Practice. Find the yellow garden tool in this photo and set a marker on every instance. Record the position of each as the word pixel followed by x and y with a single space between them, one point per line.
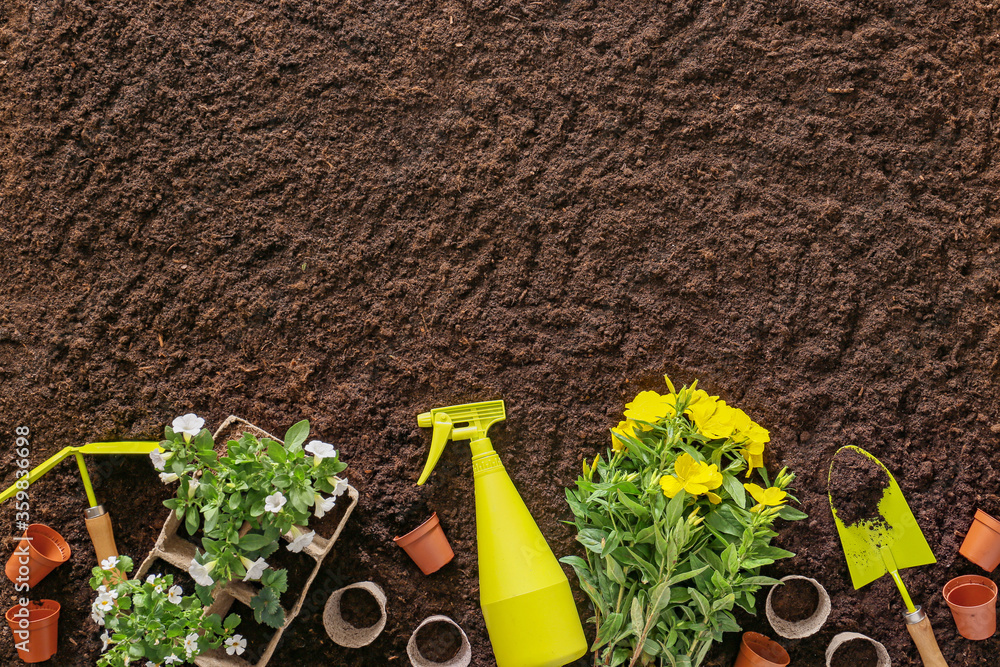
pixel 97 518
pixel 526 599
pixel 888 543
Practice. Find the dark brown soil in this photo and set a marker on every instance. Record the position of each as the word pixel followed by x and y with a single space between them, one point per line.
pixel 855 653
pixel 857 485
pixel 359 608
pixel 354 212
pixel 439 641
pixel 796 600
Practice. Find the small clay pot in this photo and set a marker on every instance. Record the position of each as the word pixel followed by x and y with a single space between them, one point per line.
pixel 807 626
pixel 344 633
pixel 756 650
pixel 427 545
pixel 39 552
pixel 982 543
pixel 36 629
pixel 973 603
pixel 844 637
pixel 461 659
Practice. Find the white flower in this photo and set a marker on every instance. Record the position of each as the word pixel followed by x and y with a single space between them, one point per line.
pixel 190 425
pixel 149 663
pixel 193 485
pixel 320 450
pixel 160 459
pixel 103 590
pixel 171 659
pixel 200 573
pixel 339 486
pixel 191 643
pixel 254 568
pixel 323 505
pixel 106 639
pixel 236 645
pixel 168 477
pixel 174 594
pixel 109 563
pixel 274 502
pixel 300 540
pixel 96 616
pixel 104 604
pixel 152 579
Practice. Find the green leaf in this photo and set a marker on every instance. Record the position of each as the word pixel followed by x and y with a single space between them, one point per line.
pixel 735 489
pixel 275 579
pixel 296 435
pixel 675 508
pixel 191 522
pixel 636 616
pixel 684 576
pixel 609 629
pixel 789 513
pixel 254 541
pixel 615 572
pixel 276 451
pixel 759 581
pixel 266 608
pixel 232 621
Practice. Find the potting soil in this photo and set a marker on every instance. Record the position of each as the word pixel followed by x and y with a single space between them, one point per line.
pixel 857 485
pixel 355 212
pixel 796 600
pixel 855 653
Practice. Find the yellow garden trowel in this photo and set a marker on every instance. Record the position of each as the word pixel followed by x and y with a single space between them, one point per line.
pixel 97 518
pixel 888 542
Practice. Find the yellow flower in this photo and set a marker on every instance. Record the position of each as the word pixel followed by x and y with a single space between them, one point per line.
pixel 625 428
pixel 753 454
pixel 713 418
pixel 695 477
pixel 770 497
pixel 649 406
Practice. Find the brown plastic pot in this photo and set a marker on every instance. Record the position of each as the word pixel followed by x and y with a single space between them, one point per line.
pixel 973 603
pixel 39 552
pixel 427 545
pixel 982 542
pixel 35 627
pixel 756 650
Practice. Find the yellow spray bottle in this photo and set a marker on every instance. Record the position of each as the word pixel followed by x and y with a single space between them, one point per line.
pixel 526 599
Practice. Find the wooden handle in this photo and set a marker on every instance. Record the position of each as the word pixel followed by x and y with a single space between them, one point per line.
pixel 923 637
pixel 102 535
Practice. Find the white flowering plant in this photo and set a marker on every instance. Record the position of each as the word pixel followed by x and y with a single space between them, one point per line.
pixel 245 500
pixel 153 620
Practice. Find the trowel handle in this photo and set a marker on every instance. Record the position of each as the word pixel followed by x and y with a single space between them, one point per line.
pixel 922 633
pixel 101 534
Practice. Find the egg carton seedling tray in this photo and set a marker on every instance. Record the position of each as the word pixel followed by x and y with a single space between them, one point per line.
pixel 177 550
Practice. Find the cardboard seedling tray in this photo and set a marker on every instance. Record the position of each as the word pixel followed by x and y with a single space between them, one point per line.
pixel 178 551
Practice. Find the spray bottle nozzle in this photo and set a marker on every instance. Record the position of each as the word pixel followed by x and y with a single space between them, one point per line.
pixel 470 421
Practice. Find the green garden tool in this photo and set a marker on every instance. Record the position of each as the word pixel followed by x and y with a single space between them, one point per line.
pixel 97 518
pixel 888 543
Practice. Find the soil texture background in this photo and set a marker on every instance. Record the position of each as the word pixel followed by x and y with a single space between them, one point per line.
pixel 354 212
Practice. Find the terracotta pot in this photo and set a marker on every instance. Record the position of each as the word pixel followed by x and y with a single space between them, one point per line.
pixel 427 545
pixel 756 650
pixel 36 629
pixel 34 557
pixel 973 603
pixel 982 542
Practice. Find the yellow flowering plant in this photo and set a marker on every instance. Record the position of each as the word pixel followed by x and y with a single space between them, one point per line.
pixel 673 538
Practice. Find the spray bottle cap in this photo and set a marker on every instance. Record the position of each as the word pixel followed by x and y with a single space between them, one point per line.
pixel 470 421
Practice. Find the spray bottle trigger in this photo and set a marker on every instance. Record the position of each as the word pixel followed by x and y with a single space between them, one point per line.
pixel 443 426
